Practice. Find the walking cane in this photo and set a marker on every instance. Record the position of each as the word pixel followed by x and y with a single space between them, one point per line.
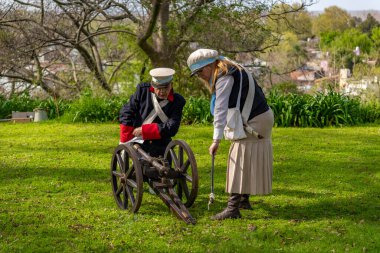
pixel 212 196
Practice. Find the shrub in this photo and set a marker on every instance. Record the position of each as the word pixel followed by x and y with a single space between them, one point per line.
pixel 93 109
pixel 21 103
pixel 331 109
pixel 55 108
pixel 196 110
pixel 319 110
pixel 24 103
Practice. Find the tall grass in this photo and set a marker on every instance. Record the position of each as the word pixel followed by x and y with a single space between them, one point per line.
pixel 94 109
pixel 319 110
pixel 24 103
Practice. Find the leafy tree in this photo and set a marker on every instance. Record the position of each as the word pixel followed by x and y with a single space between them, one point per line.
pixel 352 38
pixel 367 25
pixel 164 30
pixel 327 38
pixel 67 32
pixel 332 19
pixel 288 56
pixel 376 43
pixel 299 23
pixel 342 46
pixel 355 21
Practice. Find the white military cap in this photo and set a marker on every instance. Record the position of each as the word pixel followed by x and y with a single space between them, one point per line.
pixel 201 58
pixel 161 77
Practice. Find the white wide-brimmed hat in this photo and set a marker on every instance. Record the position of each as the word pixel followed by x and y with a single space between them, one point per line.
pixel 201 58
pixel 161 77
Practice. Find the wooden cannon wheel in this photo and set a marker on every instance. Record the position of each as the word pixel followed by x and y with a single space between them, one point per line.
pixel 182 159
pixel 126 178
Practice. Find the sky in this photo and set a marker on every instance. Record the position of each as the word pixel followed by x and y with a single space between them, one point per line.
pixel 348 5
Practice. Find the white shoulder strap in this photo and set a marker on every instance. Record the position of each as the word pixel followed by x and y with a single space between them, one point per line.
pixel 157 111
pixel 249 100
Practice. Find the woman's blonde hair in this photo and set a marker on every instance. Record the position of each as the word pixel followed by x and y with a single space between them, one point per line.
pixel 222 67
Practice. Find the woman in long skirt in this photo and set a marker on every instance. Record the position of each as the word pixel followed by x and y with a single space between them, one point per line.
pixel 250 160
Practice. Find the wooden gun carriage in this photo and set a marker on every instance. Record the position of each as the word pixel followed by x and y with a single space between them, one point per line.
pixel 174 177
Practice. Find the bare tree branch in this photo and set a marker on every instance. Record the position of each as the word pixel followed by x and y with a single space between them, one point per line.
pixel 118 67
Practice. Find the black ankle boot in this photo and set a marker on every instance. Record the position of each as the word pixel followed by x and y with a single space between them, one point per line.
pixel 232 210
pixel 244 202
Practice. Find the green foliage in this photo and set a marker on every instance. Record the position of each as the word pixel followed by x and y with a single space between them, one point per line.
pixel 332 19
pixel 289 54
pixel 299 22
pixel 21 103
pixel 24 103
pixel 285 88
pixel 352 38
pixel 320 110
pixel 375 36
pixel 370 23
pixel 55 194
pixel 327 38
pixel 94 109
pixel 197 110
pixel 54 107
pixel 370 111
pixel 342 45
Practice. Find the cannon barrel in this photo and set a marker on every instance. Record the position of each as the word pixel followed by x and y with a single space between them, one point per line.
pixel 163 170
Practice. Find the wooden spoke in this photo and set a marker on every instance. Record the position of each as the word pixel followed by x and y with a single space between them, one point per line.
pixel 184 161
pixel 188 179
pixel 120 162
pixel 185 188
pixel 179 188
pixel 180 155
pixel 117 174
pixel 127 191
pixel 130 195
pixel 125 202
pixel 119 190
pixel 185 166
pixel 129 171
pixel 131 183
pixel 174 158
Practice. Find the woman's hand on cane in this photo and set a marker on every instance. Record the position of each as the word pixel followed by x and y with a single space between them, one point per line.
pixel 214 147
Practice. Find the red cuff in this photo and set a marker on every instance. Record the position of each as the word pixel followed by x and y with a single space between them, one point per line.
pixel 151 132
pixel 126 133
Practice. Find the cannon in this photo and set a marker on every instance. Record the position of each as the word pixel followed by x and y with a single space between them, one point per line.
pixel 173 177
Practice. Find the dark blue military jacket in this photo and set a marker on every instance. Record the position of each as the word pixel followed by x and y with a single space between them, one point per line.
pixel 157 134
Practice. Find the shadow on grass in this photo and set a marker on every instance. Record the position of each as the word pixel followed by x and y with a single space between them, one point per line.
pixel 357 208
pixel 39 174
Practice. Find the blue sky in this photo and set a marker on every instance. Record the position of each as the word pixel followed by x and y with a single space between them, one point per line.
pixel 348 5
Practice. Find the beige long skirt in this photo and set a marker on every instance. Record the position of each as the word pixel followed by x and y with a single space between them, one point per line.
pixel 250 161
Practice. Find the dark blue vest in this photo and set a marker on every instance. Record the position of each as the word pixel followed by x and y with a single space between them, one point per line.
pixel 259 103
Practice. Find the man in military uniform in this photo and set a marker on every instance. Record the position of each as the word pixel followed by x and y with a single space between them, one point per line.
pixel 153 113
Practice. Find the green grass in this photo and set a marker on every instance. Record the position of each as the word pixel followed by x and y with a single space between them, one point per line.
pixel 55 195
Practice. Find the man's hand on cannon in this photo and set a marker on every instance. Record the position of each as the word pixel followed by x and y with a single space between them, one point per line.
pixel 137 131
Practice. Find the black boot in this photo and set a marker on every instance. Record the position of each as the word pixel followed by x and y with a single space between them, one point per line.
pixel 232 210
pixel 244 202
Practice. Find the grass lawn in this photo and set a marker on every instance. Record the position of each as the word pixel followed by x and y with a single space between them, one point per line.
pixel 55 194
